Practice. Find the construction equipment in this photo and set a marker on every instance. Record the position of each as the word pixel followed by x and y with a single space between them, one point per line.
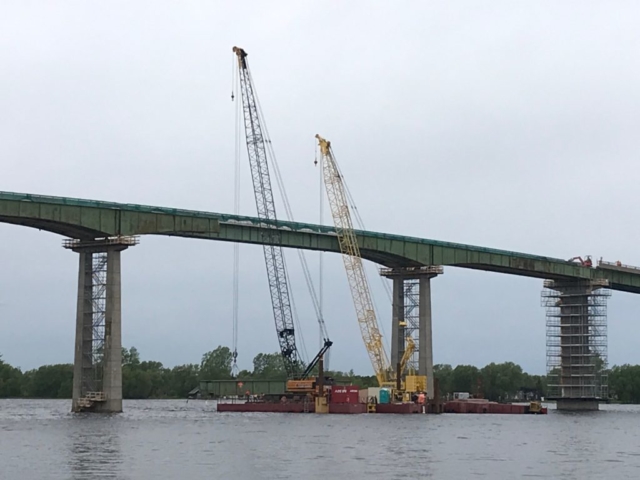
pixel 354 267
pixel 353 264
pixel 307 383
pixel 587 262
pixel 409 348
pixel 273 254
pixel 536 407
pixel 265 204
pixel 365 312
pixel 407 382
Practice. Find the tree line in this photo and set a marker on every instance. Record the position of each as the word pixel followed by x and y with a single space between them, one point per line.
pixel 150 379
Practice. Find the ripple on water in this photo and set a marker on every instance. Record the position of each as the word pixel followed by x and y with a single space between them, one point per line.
pixel 177 439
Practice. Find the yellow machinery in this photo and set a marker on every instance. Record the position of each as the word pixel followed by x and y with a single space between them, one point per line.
pixel 308 385
pixel 535 407
pixel 353 264
pixel 412 383
pixel 359 286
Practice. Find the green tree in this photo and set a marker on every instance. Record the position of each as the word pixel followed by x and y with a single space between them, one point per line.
pixel 624 383
pixel 444 373
pixel 501 381
pixel 269 366
pixel 464 378
pixel 216 364
pixel 182 379
pixel 49 381
pixel 131 356
pixel 10 380
pixel 136 383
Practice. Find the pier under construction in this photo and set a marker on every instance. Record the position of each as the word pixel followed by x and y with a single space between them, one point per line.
pixel 576 342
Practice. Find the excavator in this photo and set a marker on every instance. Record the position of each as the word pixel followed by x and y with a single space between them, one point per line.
pixel 585 263
pixel 388 376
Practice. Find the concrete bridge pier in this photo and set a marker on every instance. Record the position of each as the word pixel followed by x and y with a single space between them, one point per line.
pixel 398 324
pixel 425 354
pixel 97 371
pixel 411 316
pixel 576 342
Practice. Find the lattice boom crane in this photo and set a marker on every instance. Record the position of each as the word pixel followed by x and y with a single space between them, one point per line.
pixel 273 254
pixel 353 264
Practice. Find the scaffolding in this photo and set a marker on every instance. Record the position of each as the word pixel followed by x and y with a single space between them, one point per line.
pixel 412 319
pixel 576 326
pixel 98 309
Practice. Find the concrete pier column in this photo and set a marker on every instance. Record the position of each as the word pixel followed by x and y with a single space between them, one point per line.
pixel 397 322
pixel 112 367
pixel 97 373
pixel 425 354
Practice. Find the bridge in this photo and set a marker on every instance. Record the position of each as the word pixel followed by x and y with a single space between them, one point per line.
pixel 100 230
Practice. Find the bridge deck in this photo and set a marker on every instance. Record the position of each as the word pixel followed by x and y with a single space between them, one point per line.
pixel 87 219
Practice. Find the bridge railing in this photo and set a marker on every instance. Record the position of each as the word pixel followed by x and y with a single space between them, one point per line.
pixel 618 266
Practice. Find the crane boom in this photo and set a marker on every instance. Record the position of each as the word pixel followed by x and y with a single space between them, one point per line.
pixel 265 204
pixel 353 263
pixel 409 348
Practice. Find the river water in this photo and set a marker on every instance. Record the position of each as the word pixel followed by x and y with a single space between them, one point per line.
pixel 174 439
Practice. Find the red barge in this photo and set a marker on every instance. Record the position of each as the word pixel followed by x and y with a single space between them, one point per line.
pixel 336 408
pixel 457 406
pixel 349 403
pixel 480 405
pixel 342 400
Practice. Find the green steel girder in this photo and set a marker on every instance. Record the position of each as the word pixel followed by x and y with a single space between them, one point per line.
pixel 88 219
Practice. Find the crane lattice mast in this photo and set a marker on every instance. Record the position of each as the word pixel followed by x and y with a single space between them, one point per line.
pixel 353 264
pixel 265 204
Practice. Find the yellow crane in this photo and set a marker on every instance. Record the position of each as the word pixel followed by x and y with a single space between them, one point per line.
pixel 353 264
pixel 409 348
pixel 336 192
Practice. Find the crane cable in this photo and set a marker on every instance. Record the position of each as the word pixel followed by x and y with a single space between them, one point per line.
pixel 236 211
pixel 362 226
pixel 322 335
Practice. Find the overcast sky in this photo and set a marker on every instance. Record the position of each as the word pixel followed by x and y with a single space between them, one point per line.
pixel 507 124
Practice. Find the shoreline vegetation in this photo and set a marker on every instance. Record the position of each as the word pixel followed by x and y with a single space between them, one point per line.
pixel 151 380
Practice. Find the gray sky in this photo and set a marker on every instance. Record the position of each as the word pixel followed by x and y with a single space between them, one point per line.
pixel 504 124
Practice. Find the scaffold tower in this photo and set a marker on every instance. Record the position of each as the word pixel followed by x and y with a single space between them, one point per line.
pixel 98 304
pixel 412 319
pixel 576 313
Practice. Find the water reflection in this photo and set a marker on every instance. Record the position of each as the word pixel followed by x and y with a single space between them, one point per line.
pixel 95 449
pixel 159 440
